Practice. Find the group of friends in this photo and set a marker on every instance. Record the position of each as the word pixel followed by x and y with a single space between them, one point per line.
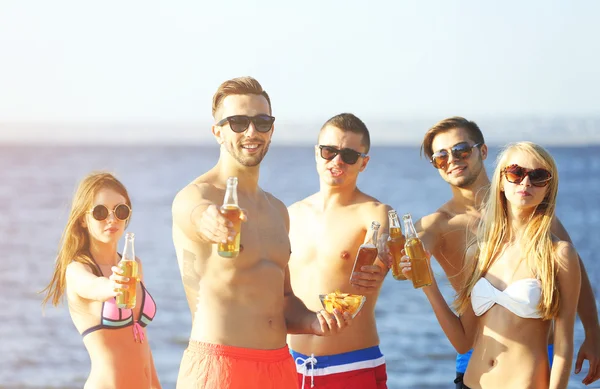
pixel 257 320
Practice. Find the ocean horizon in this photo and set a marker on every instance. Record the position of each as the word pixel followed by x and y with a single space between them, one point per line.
pixel 550 131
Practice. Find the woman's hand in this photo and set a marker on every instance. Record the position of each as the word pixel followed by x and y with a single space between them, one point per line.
pixel 117 282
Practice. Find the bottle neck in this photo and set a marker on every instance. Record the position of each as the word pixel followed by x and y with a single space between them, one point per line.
pixel 231 196
pixel 128 251
pixel 409 229
pixel 373 236
pixel 394 222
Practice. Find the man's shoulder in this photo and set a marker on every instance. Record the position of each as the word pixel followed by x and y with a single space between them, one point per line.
pixel 435 220
pixel 300 205
pixel 199 188
pixel 276 203
pixel 366 201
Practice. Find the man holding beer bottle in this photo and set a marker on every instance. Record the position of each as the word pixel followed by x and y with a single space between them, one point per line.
pixel 327 230
pixel 236 279
pixel 456 148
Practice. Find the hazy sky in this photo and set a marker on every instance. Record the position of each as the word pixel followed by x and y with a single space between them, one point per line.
pixel 160 62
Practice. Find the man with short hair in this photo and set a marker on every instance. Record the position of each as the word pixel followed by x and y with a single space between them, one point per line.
pixel 242 307
pixel 326 230
pixel 457 149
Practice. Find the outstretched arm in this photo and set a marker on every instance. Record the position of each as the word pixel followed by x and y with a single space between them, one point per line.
pixel 84 283
pixel 460 330
pixel 301 320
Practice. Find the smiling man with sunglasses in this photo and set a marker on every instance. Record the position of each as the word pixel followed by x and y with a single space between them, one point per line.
pixel 242 307
pixel 456 148
pixel 326 230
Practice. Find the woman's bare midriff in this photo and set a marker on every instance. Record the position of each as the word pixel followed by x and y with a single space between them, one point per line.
pixel 509 352
pixel 117 361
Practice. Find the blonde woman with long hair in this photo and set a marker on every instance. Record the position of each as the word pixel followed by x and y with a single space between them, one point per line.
pixel 519 279
pixel 86 272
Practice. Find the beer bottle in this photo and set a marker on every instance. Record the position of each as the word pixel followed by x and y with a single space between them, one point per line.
pixel 421 273
pixel 130 270
pixel 231 210
pixel 395 244
pixel 367 252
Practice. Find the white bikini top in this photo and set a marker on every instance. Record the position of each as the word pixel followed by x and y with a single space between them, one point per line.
pixel 521 297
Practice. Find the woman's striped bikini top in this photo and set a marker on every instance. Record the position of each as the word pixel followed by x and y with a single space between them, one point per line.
pixel 113 317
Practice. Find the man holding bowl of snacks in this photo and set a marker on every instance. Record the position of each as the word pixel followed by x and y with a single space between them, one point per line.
pixel 326 231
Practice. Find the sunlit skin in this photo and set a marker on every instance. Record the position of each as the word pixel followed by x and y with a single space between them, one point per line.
pixel 252 288
pixel 326 230
pixel 457 172
pixel 523 196
pixel 508 348
pixel 250 147
pixel 117 359
pixel 447 231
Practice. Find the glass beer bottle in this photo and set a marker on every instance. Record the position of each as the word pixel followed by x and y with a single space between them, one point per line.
pixel 367 252
pixel 130 270
pixel 231 210
pixel 421 273
pixel 395 244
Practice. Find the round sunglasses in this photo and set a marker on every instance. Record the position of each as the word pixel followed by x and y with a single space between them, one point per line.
pixel 515 174
pixel 462 150
pixel 349 156
pixel 240 123
pixel 101 212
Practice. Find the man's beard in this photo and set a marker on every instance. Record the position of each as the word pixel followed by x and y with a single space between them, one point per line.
pixel 466 182
pixel 247 160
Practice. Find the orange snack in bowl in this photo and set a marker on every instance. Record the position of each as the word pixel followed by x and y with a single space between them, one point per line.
pixel 344 302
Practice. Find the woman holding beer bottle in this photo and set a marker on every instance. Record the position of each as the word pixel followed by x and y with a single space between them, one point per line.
pixel 518 278
pixel 87 272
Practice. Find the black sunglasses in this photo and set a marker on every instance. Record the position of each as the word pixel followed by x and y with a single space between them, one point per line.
pixel 121 211
pixel 460 150
pixel 515 174
pixel 349 156
pixel 240 123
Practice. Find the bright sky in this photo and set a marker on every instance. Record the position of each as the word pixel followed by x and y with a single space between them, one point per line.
pixel 160 62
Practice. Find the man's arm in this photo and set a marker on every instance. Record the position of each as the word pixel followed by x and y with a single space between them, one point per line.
pixel 301 320
pixel 588 314
pixel 198 216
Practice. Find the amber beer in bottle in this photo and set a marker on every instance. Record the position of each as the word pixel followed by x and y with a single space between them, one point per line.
pixel 231 210
pixel 395 244
pixel 130 270
pixel 421 274
pixel 367 252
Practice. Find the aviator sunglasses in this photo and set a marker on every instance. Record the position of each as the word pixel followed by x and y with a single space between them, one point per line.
pixel 461 151
pixel 240 123
pixel 349 156
pixel 121 212
pixel 515 174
